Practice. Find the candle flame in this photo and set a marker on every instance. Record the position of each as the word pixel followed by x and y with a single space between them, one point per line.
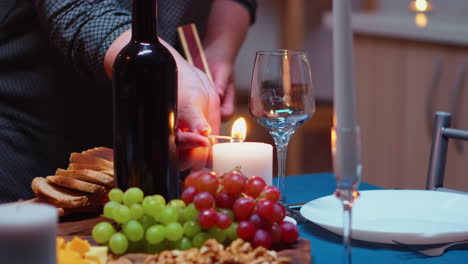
pixel 239 129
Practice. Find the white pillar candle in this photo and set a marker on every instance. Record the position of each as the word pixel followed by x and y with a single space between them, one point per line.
pixel 253 158
pixel 27 233
pixel 343 66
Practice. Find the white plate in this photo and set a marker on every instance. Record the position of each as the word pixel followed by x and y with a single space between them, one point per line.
pixel 406 216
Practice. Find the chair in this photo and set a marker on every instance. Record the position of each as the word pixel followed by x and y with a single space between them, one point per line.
pixel 442 133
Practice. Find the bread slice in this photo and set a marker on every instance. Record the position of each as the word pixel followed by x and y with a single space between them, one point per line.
pixel 100 152
pixel 82 166
pixel 89 159
pixel 87 175
pixel 58 196
pixel 75 184
pixel 108 172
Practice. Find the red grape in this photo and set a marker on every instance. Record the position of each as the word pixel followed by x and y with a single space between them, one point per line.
pixel 224 200
pixel 275 233
pixel 255 186
pixel 289 232
pixel 207 181
pixel 256 220
pixel 262 238
pixel 223 221
pixel 246 230
pixel 203 200
pixel 207 218
pixel 271 193
pixel 192 179
pixel 188 194
pixel 265 209
pixel 234 183
pixel 279 212
pixel 243 208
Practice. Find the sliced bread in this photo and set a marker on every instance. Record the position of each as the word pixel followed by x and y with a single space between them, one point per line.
pixel 100 152
pixel 89 159
pixel 88 175
pixel 75 184
pixel 94 167
pixel 56 195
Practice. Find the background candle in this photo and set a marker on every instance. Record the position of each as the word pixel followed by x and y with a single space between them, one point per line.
pixel 253 158
pixel 27 233
pixel 344 94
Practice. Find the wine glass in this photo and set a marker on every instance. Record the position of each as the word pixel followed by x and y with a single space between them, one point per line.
pixel 346 150
pixel 281 99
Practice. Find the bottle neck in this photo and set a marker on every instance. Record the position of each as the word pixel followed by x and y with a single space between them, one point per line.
pixel 145 21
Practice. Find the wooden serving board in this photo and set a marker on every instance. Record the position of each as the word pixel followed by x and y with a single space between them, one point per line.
pixel 299 252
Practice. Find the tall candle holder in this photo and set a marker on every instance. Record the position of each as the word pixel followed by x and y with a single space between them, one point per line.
pixel 346 150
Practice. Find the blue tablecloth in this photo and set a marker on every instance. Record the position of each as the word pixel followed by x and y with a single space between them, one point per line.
pixel 327 247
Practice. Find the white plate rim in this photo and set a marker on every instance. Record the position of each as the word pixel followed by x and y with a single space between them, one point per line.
pixel 415 238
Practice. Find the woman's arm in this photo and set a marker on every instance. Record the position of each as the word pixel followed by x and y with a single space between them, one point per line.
pixel 227 27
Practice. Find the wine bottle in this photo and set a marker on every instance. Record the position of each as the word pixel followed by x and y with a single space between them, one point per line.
pixel 145 107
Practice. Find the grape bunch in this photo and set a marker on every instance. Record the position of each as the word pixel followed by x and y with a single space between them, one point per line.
pixel 148 224
pixel 223 208
pixel 233 202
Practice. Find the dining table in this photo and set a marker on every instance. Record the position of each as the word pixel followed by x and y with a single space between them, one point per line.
pixel 326 246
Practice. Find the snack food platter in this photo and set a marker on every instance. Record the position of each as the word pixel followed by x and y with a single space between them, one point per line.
pixel 299 252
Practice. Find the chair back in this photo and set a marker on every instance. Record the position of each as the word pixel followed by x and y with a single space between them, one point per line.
pixel 441 135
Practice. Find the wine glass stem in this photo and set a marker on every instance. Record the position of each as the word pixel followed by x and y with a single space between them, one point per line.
pixel 347 206
pixel 281 153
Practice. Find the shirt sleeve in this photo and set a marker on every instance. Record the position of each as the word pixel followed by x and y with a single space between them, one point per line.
pixel 251 6
pixel 83 30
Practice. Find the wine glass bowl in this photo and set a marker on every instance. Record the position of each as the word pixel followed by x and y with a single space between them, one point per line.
pixel 281 98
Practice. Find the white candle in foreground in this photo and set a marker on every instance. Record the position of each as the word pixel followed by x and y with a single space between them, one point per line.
pixel 343 66
pixel 27 233
pixel 253 158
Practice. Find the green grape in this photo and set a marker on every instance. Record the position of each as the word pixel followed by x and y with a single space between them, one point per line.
pixel 156 248
pixel 146 221
pixel 151 206
pixel 168 215
pixel 133 230
pixel 102 232
pixel 155 234
pixel 160 199
pixel 191 228
pixel 191 213
pixel 122 214
pixel 226 212
pixel 132 196
pixel 231 231
pixel 217 234
pixel 199 239
pixel 184 243
pixel 118 243
pixel 115 195
pixel 177 203
pixel 174 231
pixel 137 211
pixel 109 209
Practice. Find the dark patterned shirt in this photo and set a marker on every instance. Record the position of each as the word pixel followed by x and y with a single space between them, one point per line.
pixel 47 110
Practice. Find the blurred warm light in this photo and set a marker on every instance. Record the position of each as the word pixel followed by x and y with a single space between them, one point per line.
pixel 239 129
pixel 333 141
pixel 421 20
pixel 420 6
